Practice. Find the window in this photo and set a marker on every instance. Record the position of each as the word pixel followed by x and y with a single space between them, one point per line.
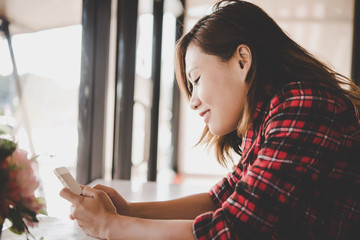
pixel 44 119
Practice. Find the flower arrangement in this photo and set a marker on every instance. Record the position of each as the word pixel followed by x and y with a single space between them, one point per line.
pixel 18 182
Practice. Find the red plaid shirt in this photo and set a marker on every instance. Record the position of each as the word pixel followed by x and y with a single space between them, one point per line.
pixel 299 177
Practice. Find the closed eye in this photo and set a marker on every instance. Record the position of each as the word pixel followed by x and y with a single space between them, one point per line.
pixel 196 80
pixel 189 87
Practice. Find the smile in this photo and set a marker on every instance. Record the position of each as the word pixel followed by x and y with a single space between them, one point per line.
pixel 205 115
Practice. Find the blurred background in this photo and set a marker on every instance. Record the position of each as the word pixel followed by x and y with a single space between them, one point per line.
pixel 89 84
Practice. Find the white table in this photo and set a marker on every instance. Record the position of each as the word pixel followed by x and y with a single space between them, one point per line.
pixel 55 228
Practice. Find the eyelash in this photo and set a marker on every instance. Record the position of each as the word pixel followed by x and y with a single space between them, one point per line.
pixel 196 80
pixel 190 85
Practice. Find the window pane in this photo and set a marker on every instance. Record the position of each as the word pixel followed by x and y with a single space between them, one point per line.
pixel 44 120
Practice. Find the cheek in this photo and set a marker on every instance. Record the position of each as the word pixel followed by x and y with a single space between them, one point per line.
pixel 205 93
pixel 233 104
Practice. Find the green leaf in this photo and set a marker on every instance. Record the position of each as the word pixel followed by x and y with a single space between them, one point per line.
pixel 28 214
pixel 7 148
pixel 4 179
pixel 18 225
pixel 41 201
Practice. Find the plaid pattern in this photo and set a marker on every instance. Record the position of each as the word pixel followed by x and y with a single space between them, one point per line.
pixel 299 177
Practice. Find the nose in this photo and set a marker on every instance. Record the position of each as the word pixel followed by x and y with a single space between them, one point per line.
pixel 194 101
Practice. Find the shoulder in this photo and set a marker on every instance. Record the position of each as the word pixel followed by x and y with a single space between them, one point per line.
pixel 313 113
pixel 309 96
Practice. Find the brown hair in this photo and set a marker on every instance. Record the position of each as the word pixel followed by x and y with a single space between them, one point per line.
pixel 276 60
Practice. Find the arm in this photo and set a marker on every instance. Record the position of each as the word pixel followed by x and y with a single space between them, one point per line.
pixel 142 229
pixel 182 208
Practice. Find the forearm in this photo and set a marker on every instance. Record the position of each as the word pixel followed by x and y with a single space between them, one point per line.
pixel 182 208
pixel 123 227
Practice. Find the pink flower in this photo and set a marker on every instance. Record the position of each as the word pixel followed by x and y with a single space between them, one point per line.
pixel 18 178
pixel 26 179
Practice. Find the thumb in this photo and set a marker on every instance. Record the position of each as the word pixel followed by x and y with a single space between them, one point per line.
pixel 70 196
pixel 90 192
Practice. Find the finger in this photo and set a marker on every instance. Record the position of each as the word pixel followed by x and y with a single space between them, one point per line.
pixel 72 212
pixel 90 192
pixel 70 196
pixel 102 188
pixel 77 213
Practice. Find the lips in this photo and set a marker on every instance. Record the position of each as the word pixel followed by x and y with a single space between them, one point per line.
pixel 205 114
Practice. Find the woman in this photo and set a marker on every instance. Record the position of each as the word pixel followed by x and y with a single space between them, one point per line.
pixel 292 119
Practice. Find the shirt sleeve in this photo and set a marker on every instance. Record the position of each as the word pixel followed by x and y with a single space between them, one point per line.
pixel 225 187
pixel 297 135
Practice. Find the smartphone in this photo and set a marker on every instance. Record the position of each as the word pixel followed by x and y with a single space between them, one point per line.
pixel 68 180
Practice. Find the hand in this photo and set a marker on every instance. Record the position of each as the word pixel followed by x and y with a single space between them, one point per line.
pixel 122 206
pixel 93 211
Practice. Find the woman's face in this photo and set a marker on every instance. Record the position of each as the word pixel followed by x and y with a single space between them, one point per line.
pixel 219 87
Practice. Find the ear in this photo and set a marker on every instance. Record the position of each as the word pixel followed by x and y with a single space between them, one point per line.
pixel 243 56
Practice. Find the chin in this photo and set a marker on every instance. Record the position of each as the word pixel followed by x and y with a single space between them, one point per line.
pixel 220 132
pixel 214 132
